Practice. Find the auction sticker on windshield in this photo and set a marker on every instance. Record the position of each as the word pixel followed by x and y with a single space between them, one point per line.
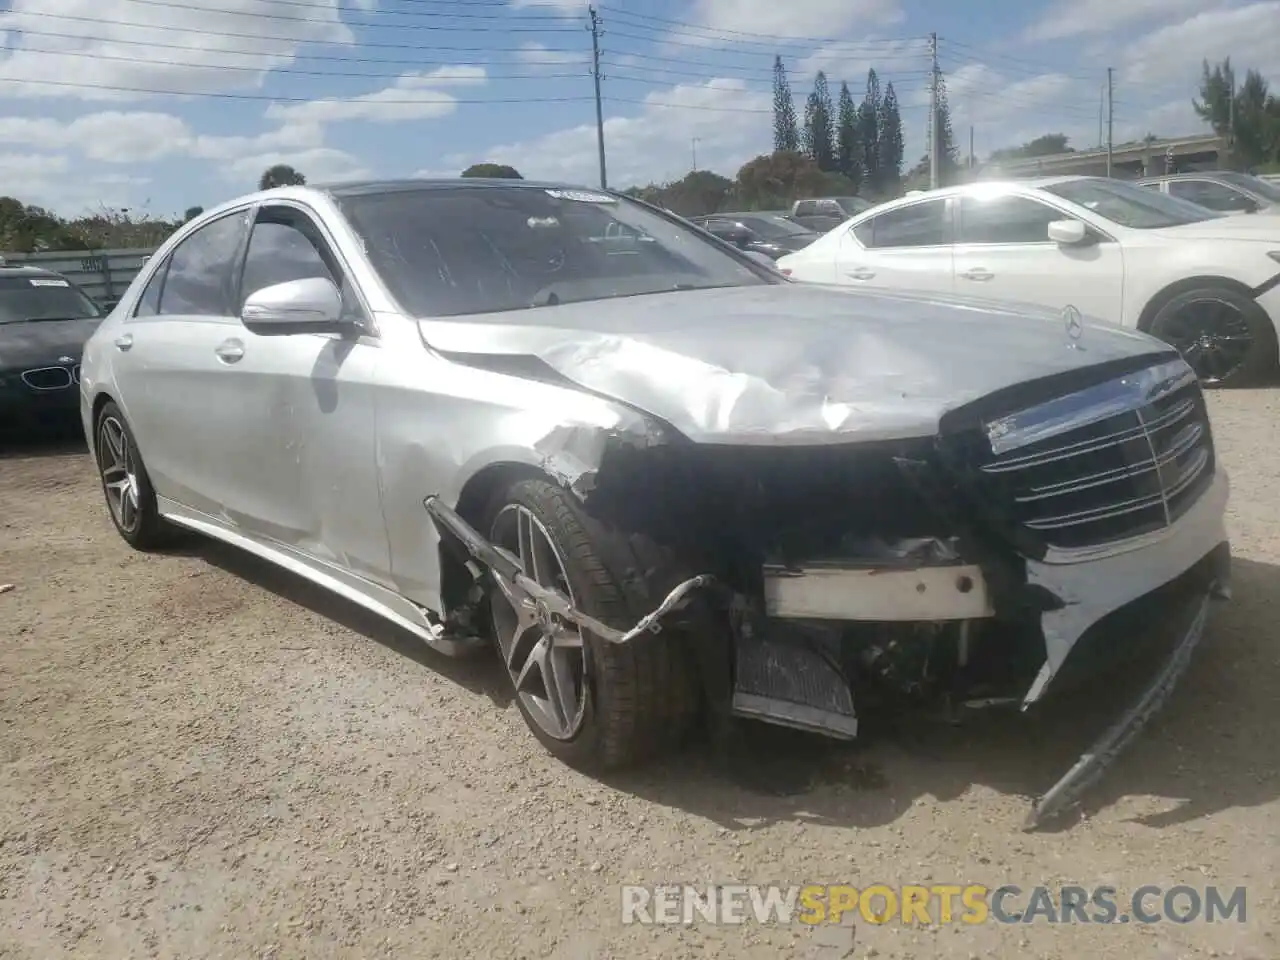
pixel 45 282
pixel 583 196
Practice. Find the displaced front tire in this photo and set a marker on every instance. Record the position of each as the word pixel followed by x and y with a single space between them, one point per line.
pixel 595 705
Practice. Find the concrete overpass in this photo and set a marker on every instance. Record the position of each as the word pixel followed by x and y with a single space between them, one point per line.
pixel 1127 160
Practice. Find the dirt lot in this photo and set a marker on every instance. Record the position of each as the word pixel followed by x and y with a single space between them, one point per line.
pixel 202 757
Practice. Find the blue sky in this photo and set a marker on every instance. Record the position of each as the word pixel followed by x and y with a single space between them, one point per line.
pixel 163 104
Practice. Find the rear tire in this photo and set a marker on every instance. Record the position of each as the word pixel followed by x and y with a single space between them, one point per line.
pixel 637 698
pixel 131 500
pixel 1226 337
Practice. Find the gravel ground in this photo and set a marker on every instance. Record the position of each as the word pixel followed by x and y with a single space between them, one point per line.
pixel 204 757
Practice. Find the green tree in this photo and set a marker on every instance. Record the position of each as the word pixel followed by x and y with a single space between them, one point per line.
pixel 869 133
pixel 495 171
pixel 775 179
pixel 1256 122
pixel 948 156
pixel 1046 145
pixel 192 213
pixel 849 158
pixel 889 143
pixel 786 133
pixel 819 126
pixel 280 175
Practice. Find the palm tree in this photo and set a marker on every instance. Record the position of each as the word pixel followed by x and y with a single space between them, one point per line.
pixel 280 175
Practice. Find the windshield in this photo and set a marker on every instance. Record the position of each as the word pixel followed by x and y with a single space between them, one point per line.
pixel 774 228
pixel 1255 184
pixel 43 298
pixel 1130 205
pixel 465 250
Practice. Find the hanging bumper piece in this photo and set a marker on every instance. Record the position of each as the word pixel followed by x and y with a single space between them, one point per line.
pixel 543 603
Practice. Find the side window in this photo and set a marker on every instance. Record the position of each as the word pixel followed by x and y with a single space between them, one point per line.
pixel 285 245
pixel 1214 196
pixel 829 208
pixel 1005 220
pixel 149 302
pixel 921 224
pixel 805 208
pixel 198 280
pixel 865 232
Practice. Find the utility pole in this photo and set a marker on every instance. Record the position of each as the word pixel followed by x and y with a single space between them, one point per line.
pixel 971 148
pixel 1111 114
pixel 933 113
pixel 595 74
pixel 694 168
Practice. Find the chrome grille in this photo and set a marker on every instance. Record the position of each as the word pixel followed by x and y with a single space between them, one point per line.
pixel 43 379
pixel 1125 458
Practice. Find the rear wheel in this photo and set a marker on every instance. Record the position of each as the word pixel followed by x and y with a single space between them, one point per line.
pixel 1224 335
pixel 593 704
pixel 131 501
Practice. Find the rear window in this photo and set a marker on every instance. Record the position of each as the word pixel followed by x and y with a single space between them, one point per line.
pixel 43 298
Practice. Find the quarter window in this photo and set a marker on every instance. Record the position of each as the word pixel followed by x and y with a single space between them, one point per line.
pixel 1005 220
pixel 201 269
pixel 149 302
pixel 921 224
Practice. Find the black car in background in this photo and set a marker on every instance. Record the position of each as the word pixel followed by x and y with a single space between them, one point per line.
pixel 769 233
pixel 45 320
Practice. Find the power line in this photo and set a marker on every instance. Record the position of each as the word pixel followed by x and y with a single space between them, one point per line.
pixel 199 31
pixel 412 25
pixel 322 58
pixel 244 68
pixel 815 41
pixel 219 95
pixel 331 8
pixel 703 45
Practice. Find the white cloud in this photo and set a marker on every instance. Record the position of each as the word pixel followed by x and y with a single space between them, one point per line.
pixel 799 18
pixel 565 6
pixel 319 164
pixel 730 122
pixel 1074 18
pixel 414 96
pixel 903 63
pixel 541 55
pixel 76 63
pixel 1249 35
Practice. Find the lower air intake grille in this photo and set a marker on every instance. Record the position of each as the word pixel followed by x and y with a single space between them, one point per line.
pixel 1115 461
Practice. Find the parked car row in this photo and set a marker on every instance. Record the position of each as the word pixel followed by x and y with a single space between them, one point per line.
pixel 1204 282
pixel 663 481
pixel 1224 191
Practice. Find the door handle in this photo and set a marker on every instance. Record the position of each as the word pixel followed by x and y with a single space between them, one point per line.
pixel 124 342
pixel 977 273
pixel 230 351
pixel 862 273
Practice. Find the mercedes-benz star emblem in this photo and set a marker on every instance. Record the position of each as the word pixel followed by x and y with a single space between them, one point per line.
pixel 1072 323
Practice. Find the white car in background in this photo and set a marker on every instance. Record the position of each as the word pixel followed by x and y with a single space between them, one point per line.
pixel 1206 283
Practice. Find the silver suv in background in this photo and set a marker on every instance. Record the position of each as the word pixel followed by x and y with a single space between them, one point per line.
pixel 1222 190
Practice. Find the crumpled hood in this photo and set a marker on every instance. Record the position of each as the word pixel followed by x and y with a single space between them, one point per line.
pixel 43 343
pixel 791 363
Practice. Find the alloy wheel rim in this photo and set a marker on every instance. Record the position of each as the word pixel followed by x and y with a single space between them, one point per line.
pixel 544 655
pixel 1212 335
pixel 118 467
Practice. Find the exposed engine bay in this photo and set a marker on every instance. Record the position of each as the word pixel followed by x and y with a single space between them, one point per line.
pixel 816 583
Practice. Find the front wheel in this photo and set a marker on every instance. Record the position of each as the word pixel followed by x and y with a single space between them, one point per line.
pixel 595 705
pixel 1224 335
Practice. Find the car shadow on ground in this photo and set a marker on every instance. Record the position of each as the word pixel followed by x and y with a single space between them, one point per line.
pixel 1211 748
pixel 480 674
pixel 57 439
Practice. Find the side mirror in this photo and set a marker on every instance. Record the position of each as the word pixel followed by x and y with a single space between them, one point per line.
pixel 312 305
pixel 1068 232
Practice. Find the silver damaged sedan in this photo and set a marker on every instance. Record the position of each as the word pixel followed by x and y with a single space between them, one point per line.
pixel 662 480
